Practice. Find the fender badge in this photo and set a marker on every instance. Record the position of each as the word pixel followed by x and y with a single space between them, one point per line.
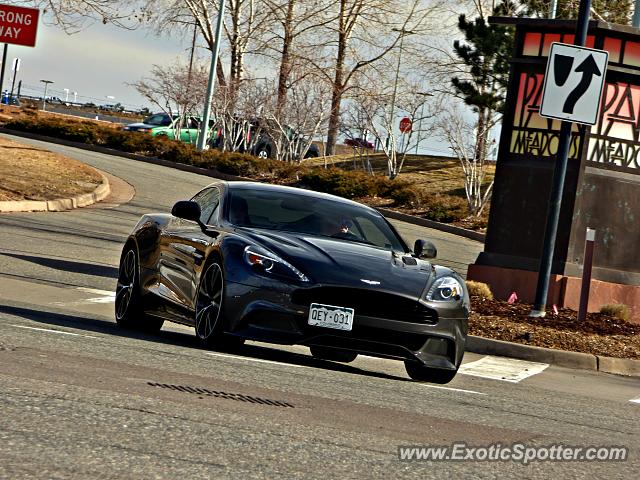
pixel 370 282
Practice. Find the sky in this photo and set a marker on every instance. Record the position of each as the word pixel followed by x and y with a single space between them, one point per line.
pixel 97 63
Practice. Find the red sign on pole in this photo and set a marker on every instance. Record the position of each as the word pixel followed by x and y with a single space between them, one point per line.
pixel 405 125
pixel 18 25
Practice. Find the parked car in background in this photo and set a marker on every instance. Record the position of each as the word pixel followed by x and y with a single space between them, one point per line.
pixel 358 143
pixel 112 107
pixel 259 137
pixel 162 124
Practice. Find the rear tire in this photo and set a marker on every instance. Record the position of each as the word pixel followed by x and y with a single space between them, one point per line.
pixel 263 151
pixel 420 373
pixel 333 355
pixel 129 309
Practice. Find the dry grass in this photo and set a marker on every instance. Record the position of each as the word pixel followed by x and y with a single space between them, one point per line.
pixel 616 310
pixel 479 289
pixel 29 173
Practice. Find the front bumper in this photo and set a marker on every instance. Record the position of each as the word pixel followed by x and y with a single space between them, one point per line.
pixel 271 315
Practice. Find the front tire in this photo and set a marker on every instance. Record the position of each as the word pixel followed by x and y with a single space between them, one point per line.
pixel 209 322
pixel 333 355
pixel 129 309
pixel 420 373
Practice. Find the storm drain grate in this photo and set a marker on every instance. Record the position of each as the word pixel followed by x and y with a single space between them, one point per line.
pixel 218 394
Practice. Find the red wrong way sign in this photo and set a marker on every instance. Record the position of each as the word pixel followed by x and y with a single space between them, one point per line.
pixel 405 125
pixel 18 25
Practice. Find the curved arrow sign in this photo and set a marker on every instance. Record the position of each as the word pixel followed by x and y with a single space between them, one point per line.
pixel 573 83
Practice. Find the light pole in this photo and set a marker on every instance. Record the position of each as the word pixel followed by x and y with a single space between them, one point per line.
pixel 402 32
pixel 204 129
pixel 44 97
pixel 75 97
pixel 66 94
pixel 422 94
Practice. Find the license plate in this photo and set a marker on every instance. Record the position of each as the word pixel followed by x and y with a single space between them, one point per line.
pixel 330 316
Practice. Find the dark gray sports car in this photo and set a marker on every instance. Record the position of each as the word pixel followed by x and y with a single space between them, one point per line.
pixel 244 260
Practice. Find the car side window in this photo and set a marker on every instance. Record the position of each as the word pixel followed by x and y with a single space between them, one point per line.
pixel 209 200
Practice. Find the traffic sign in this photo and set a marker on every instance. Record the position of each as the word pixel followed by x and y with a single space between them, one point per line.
pixel 18 25
pixel 405 125
pixel 573 83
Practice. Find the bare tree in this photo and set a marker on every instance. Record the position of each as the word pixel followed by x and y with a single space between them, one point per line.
pixel 244 23
pixel 74 15
pixel 381 100
pixel 175 90
pixel 291 37
pixel 292 131
pixel 460 133
pixel 364 32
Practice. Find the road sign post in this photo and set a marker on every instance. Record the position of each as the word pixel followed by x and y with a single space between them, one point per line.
pixel 546 260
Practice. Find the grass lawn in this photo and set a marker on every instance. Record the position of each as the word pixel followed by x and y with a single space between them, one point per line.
pixel 439 181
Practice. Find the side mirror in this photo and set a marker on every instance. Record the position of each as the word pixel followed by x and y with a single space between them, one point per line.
pixel 425 249
pixel 188 210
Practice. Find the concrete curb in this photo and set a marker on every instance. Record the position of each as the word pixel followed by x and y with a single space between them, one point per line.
pixel 560 358
pixel 59 204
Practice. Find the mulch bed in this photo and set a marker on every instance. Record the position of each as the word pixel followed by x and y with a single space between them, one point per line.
pixel 599 334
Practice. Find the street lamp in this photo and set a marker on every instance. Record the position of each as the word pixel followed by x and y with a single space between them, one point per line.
pixel 66 94
pixel 75 97
pixel 204 128
pixel 422 94
pixel 44 97
pixel 402 32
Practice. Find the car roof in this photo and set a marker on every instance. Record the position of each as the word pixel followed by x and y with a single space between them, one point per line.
pixel 242 185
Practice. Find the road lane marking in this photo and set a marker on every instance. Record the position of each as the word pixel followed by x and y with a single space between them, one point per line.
pixel 51 331
pixel 105 293
pixel 504 369
pixel 258 360
pixel 461 390
pixel 106 296
pixel 635 400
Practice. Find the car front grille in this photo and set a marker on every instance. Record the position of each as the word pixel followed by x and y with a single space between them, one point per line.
pixel 368 303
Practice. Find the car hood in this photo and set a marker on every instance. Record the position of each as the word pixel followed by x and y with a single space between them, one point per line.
pixel 340 262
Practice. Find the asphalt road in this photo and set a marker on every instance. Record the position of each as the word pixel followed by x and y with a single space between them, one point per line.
pixel 80 398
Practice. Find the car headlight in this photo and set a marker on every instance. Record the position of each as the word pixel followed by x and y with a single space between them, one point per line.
pixel 271 263
pixel 445 289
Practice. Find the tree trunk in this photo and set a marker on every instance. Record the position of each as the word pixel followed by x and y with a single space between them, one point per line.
pixel 285 61
pixel 338 83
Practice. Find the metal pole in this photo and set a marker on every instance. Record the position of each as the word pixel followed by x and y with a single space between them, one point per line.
pixel 587 264
pixel 554 8
pixel 559 174
pixel 4 62
pixel 204 128
pixel 419 128
pixel 635 21
pixel 13 83
pixel 44 97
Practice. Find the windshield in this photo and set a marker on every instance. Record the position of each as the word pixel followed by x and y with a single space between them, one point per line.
pixel 291 212
pixel 159 119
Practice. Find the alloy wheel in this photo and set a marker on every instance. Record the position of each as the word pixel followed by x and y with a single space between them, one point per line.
pixel 209 303
pixel 126 284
